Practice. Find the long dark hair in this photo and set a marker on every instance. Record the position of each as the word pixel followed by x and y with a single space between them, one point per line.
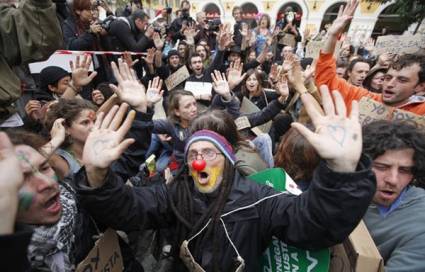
pixel 180 195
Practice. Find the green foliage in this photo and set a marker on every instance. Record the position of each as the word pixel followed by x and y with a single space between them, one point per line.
pixel 410 11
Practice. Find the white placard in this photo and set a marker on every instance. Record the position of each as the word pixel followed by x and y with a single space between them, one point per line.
pixel 198 88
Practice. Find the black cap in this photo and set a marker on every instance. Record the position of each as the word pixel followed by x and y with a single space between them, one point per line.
pixel 51 75
pixel 172 52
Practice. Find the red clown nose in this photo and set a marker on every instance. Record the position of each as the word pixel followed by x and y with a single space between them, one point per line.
pixel 199 165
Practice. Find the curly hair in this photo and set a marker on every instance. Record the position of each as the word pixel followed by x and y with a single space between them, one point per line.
pixel 383 135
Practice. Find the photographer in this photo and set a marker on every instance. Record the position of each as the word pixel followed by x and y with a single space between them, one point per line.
pixel 130 33
pixel 176 28
pixel 206 29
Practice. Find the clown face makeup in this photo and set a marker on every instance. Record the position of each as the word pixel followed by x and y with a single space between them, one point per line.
pixel 209 177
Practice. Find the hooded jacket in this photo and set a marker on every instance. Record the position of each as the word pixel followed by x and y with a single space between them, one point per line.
pixel 320 217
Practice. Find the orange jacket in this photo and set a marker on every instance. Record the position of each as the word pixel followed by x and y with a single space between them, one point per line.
pixel 326 75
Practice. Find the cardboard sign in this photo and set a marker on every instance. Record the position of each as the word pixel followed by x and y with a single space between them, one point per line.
pixel 401 44
pixel 105 255
pixel 371 110
pixel 248 107
pixel 280 256
pixel 288 39
pixel 313 48
pixel 198 88
pixel 177 77
pixel 56 59
pixel 358 253
pixel 242 123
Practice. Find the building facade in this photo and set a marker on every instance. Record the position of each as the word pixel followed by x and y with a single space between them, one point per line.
pixel 370 18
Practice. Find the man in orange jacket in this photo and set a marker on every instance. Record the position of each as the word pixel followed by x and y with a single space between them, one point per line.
pixel 403 81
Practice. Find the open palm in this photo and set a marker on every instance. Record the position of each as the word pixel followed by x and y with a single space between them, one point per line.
pixel 129 89
pixel 105 142
pixel 337 138
pixel 345 14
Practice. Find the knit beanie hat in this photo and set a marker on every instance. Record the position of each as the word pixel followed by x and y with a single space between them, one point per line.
pixel 172 52
pixel 219 141
pixel 51 75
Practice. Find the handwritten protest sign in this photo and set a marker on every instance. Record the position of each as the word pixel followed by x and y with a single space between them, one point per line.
pixel 280 256
pixel 371 110
pixel 401 44
pixel 177 77
pixel 313 48
pixel 104 256
pixel 242 123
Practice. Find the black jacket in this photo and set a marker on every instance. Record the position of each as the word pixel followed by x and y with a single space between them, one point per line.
pixel 13 250
pixel 124 36
pixel 322 216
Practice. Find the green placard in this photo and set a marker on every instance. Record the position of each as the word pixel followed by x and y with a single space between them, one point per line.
pixel 279 257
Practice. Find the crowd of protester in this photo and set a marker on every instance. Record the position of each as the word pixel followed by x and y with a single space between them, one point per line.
pixel 76 147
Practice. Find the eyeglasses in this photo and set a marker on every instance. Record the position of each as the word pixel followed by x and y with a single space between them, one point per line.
pixel 206 154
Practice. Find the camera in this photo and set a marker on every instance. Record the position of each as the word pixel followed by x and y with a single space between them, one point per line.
pixel 214 25
pixel 107 22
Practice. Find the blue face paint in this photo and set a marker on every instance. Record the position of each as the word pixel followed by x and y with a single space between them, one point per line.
pixel 25 200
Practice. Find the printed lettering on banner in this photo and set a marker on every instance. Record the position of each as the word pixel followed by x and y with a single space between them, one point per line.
pixel 279 256
pixel 177 77
pixel 105 256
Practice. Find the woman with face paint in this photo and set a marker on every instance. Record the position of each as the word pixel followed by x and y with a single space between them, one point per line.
pixel 223 221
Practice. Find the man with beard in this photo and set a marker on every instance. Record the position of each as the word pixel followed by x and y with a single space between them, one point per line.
pixel 404 79
pixel 396 218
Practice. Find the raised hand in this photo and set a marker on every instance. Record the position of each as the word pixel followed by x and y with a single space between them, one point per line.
pixel 282 86
pixel 106 143
pixel 150 56
pixel 291 66
pixel 80 71
pixel 220 85
pixel 308 73
pixel 244 29
pixel 129 89
pixel 58 132
pixel 190 32
pixel 345 14
pixel 154 92
pixel 10 182
pixel 274 73
pixel 337 138
pixel 234 74
pixel 225 38
pixel 33 109
pixel 129 59
pixel 158 42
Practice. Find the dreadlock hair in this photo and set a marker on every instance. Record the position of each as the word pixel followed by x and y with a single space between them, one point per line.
pixel 180 195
